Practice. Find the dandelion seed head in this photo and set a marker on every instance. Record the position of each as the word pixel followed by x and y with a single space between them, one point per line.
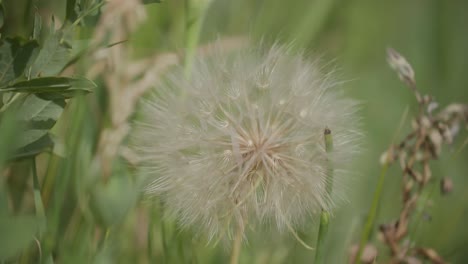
pixel 241 141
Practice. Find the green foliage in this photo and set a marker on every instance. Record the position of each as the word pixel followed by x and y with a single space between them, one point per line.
pixel 114 199
pixel 37 116
pixel 33 99
pixel 32 68
pixel 14 57
pixel 52 57
pixel 18 232
pixel 55 52
pixel 37 146
pixel 52 87
pixel 71 211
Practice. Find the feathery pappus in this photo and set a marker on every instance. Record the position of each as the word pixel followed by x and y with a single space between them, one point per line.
pixel 241 141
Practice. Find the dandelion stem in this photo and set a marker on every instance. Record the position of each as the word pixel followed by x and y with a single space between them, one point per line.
pixel 163 234
pixel 236 247
pixel 151 241
pixel 323 229
pixel 372 212
pixel 325 215
pixel 329 148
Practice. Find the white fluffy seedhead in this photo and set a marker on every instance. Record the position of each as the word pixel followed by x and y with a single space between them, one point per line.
pixel 241 141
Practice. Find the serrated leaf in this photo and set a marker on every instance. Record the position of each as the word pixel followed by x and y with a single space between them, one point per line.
pixel 52 57
pixel 38 116
pixel 52 87
pixel 14 56
pixel 17 234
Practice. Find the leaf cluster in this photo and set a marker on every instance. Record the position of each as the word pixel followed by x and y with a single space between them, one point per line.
pixel 32 85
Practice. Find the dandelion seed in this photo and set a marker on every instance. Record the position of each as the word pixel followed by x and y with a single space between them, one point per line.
pixel 255 151
pixel 300 150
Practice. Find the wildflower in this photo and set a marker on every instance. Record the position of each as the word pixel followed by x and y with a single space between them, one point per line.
pixel 241 141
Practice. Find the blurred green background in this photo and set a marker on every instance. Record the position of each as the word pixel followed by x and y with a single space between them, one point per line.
pixel 90 221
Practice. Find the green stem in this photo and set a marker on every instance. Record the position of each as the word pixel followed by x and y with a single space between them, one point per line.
pixel 236 247
pixel 319 12
pixel 414 231
pixel 323 229
pixel 195 14
pixel 39 205
pixel 150 235
pixel 372 213
pixel 104 239
pixel 325 215
pixel 163 234
pixel 329 148
pixel 87 12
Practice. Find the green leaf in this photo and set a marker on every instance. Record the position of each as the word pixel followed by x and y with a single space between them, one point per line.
pixel 40 145
pixel 52 87
pixel 14 56
pixel 6 97
pixel 112 201
pixel 38 116
pixel 52 57
pixel 17 234
pixel 71 14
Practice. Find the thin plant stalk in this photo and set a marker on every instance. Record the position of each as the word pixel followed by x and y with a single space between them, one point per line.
pixel 88 12
pixel 39 205
pixel 163 234
pixel 414 231
pixel 236 247
pixel 150 241
pixel 369 226
pixel 195 14
pixel 323 230
pixel 309 28
pixel 325 215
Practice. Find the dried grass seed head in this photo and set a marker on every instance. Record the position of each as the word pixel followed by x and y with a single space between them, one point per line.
pixel 242 140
